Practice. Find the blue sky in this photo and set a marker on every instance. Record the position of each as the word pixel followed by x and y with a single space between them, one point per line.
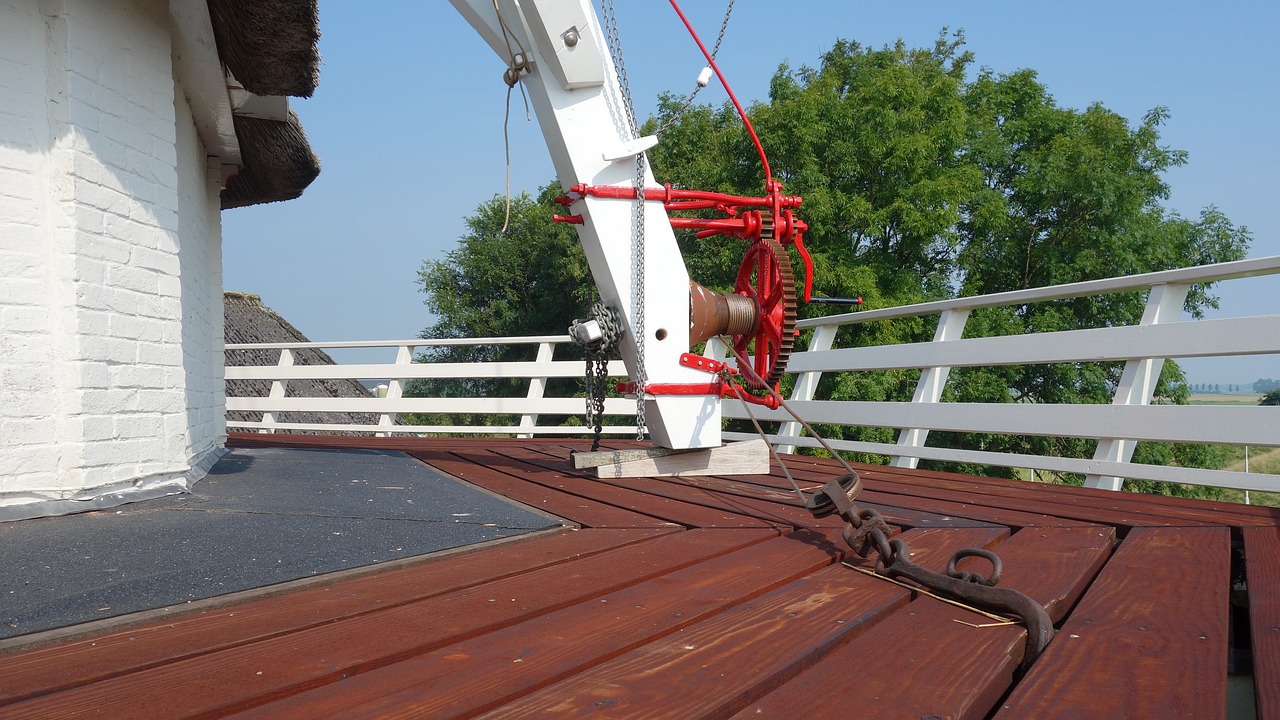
pixel 408 116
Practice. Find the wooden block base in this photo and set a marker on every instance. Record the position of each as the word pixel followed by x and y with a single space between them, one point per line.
pixel 739 458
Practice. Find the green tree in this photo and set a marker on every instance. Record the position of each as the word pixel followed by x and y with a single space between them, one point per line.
pixel 925 179
pixel 1271 398
pixel 528 280
pixel 920 184
pixel 531 279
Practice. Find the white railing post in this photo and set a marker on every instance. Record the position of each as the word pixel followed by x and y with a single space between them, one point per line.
pixel 1130 418
pixel 807 384
pixel 277 390
pixel 1138 382
pixel 929 389
pixel 716 349
pixel 395 387
pixel 537 386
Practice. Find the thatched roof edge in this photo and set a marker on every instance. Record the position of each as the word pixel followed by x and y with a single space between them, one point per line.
pixel 278 162
pixel 246 320
pixel 269 45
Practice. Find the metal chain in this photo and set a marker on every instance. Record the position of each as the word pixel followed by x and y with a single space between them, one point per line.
pixel 638 292
pixel 697 87
pixel 865 531
pixel 598 353
pixel 637 216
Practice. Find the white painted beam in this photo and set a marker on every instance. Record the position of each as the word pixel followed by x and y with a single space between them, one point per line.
pixel 200 74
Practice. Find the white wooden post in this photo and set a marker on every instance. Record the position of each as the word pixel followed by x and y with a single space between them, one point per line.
pixel 823 338
pixel 277 391
pixel 395 387
pixel 1138 382
pixel 537 386
pixel 929 389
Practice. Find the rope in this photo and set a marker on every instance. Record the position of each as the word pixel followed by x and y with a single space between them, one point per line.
pixel 517 65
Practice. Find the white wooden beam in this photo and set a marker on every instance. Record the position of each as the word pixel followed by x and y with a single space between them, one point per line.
pixel 200 75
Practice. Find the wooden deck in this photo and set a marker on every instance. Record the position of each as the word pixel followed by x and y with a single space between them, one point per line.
pixel 716 597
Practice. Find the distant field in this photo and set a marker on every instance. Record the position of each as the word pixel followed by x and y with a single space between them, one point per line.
pixel 1225 399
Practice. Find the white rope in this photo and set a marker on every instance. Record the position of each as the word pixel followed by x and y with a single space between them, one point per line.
pixel 517 65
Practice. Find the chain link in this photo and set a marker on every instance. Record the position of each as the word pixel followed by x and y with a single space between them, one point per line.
pixel 598 353
pixel 866 531
pixel 637 215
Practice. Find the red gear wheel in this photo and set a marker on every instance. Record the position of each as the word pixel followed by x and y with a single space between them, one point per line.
pixel 766 277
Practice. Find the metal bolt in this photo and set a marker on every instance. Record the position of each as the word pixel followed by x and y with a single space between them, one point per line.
pixel 570 37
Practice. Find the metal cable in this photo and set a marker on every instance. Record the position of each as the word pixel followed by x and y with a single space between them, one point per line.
pixel 744 366
pixel 697 87
pixel 737 390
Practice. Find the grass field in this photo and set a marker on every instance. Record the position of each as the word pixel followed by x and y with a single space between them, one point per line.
pixel 1225 399
pixel 1262 460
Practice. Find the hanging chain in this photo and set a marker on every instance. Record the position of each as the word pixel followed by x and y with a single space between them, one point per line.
pixel 865 531
pixel 697 87
pixel 598 352
pixel 640 376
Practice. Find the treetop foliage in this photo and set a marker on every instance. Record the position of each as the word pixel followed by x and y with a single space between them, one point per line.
pixel 924 178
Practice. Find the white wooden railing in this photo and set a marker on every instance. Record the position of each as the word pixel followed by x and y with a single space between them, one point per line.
pixel 1128 419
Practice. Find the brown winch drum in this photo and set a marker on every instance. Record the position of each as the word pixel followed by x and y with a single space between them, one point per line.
pixel 712 313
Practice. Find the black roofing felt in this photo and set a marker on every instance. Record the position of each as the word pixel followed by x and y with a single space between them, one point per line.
pixel 261 516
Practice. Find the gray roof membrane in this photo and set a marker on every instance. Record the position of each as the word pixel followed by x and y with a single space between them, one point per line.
pixel 261 516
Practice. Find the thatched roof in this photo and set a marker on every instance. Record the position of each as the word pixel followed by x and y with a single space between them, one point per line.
pixel 247 320
pixel 269 45
pixel 278 162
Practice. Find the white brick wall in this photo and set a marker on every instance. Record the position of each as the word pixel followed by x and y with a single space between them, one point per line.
pixel 28 302
pixel 110 260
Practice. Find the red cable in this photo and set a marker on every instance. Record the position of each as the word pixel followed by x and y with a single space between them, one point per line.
pixel 741 113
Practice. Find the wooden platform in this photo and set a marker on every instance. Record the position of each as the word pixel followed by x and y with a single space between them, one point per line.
pixel 715 597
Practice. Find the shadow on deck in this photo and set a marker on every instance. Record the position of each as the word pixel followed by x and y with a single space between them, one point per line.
pixel 713 597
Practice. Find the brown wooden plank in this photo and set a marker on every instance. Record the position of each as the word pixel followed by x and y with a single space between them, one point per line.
pixel 548 473
pixel 1262 568
pixel 94 658
pixel 585 511
pixel 1163 510
pixel 894 487
pixel 1210 511
pixel 1149 638
pixel 1135 509
pixel 811 475
pixel 921 662
pixel 766 510
pixel 716 667
pixel 742 488
pixel 1055 565
pixel 254 672
pixel 486 671
pixel 1026 499
pixel 774 504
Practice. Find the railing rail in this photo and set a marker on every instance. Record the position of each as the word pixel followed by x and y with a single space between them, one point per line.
pixel 1130 418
